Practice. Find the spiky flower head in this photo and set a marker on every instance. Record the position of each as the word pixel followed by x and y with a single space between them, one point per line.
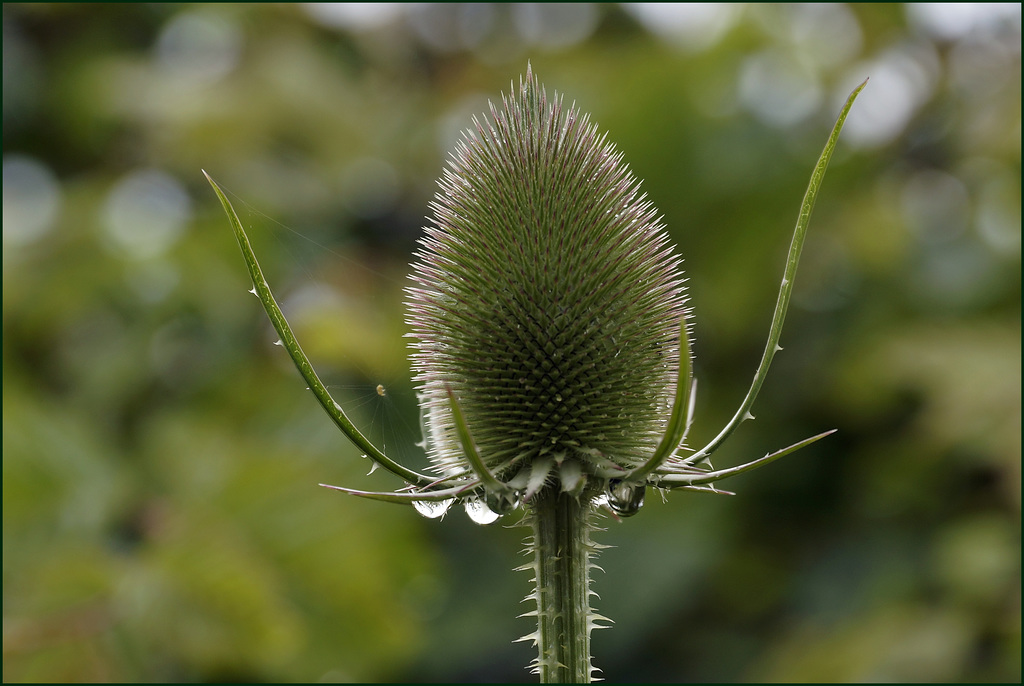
pixel 545 315
pixel 547 300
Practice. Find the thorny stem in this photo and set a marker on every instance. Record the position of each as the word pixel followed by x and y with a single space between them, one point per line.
pixel 562 551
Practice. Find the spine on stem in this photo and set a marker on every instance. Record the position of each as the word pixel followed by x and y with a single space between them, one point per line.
pixel 562 560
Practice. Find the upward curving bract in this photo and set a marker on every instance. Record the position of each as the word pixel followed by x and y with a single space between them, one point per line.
pixel 547 298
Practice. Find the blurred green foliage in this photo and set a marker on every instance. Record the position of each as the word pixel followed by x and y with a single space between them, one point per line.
pixel 161 518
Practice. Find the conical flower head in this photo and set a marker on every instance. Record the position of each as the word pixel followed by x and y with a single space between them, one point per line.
pixel 547 299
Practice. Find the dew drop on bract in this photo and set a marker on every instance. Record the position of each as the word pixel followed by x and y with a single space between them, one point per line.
pixel 626 499
pixel 502 503
pixel 432 509
pixel 478 512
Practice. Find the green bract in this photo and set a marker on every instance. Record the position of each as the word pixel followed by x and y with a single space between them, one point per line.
pixel 547 299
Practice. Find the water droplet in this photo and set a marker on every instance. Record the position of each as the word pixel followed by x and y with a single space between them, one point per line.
pixel 432 509
pixel 478 512
pixel 502 503
pixel 626 499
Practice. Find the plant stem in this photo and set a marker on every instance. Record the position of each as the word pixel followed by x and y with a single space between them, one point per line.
pixel 562 552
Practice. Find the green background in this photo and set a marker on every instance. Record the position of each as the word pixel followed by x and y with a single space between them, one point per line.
pixel 161 514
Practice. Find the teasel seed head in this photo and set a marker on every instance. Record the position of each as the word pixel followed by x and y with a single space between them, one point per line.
pixel 547 299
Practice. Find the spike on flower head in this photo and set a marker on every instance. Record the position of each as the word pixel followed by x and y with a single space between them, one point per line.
pixel 546 298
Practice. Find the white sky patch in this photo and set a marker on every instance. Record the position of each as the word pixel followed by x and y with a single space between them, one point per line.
pixel 354 16
pixel 902 80
pixel 32 199
pixel 692 26
pixel 778 89
pixel 146 213
pixel 955 20
pixel 555 25
pixel 200 46
pixel 827 33
pixel 452 27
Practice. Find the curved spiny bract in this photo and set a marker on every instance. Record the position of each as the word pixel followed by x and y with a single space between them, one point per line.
pixel 546 297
